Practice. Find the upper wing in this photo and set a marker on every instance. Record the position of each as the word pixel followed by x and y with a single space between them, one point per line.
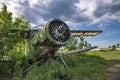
pixel 24 33
pixel 82 33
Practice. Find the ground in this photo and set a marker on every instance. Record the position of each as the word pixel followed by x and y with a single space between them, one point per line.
pixel 114 70
pixel 113 58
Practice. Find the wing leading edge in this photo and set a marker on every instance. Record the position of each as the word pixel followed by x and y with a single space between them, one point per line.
pixel 84 33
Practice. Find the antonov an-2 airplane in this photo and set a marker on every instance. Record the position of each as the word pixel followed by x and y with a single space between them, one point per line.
pixel 43 43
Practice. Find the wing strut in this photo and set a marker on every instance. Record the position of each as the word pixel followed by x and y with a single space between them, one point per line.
pixel 79 50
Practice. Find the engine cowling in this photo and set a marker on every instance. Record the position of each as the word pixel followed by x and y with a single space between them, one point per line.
pixel 57 32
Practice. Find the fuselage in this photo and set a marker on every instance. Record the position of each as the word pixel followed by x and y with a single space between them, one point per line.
pixel 49 39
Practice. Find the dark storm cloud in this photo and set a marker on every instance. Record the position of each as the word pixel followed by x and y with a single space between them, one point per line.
pixel 40 11
pixel 58 8
pixel 111 8
pixel 81 18
pixel 30 13
pixel 61 9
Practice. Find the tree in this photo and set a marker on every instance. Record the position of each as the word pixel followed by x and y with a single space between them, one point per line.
pixel 12 46
pixel 6 23
pixel 86 44
pixel 89 45
pixel 72 44
pixel 118 45
pixel 109 46
pixel 81 43
pixel 113 47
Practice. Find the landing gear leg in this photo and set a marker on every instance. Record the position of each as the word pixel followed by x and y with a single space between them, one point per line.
pixel 63 61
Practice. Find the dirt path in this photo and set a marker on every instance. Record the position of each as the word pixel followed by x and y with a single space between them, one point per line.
pixel 113 71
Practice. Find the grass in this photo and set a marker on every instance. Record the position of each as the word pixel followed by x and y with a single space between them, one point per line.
pixel 106 54
pixel 86 66
pixel 81 66
pixel 112 57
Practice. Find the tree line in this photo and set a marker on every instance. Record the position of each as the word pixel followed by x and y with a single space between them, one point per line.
pixel 114 46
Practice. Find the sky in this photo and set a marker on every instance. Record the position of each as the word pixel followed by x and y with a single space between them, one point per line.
pixel 77 14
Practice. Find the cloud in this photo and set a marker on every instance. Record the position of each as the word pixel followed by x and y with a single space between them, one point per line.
pixel 75 12
pixel 106 11
pixel 104 8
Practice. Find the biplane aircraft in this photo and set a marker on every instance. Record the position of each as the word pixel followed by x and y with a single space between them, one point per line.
pixel 43 43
